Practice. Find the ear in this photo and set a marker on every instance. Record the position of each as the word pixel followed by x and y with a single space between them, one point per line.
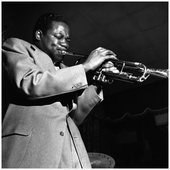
pixel 38 35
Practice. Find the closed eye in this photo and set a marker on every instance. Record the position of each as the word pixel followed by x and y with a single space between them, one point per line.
pixel 60 37
pixel 68 39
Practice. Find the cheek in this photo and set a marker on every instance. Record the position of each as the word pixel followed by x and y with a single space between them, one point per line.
pixel 53 41
pixel 46 43
pixel 49 41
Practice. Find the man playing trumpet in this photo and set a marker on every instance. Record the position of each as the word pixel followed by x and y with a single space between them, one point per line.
pixel 47 100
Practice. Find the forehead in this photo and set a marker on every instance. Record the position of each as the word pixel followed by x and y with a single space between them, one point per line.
pixel 59 27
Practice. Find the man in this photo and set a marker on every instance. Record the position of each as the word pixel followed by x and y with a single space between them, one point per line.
pixel 47 99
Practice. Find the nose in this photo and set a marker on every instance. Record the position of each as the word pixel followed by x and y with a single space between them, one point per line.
pixel 64 43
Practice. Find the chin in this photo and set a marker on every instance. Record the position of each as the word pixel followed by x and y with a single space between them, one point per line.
pixel 58 58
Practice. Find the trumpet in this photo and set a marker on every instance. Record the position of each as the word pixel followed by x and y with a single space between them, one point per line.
pixel 128 71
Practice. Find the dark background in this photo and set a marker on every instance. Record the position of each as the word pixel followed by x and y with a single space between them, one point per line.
pixel 131 124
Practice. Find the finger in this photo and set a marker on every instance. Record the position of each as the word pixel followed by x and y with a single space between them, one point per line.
pixel 105 51
pixel 110 57
pixel 105 69
pixel 108 64
pixel 110 69
pixel 114 70
pixel 100 49
pixel 108 52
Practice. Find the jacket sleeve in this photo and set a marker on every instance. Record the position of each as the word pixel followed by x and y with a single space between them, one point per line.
pixel 88 99
pixel 34 82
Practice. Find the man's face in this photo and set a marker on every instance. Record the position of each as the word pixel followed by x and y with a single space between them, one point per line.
pixel 56 39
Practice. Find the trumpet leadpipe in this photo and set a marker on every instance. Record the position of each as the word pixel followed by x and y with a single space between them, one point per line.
pixel 72 54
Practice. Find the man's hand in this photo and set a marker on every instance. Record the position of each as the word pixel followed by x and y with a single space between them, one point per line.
pixel 107 67
pixel 97 57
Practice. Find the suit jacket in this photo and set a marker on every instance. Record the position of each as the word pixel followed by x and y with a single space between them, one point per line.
pixel 40 112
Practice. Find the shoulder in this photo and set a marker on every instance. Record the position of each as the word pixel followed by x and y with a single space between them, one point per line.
pixel 15 41
pixel 16 44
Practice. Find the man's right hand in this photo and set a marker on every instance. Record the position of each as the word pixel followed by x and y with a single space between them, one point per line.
pixel 97 57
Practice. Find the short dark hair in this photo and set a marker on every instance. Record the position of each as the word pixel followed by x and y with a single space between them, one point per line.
pixel 44 23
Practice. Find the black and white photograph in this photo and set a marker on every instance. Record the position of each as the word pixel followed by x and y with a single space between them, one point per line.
pixel 84 84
